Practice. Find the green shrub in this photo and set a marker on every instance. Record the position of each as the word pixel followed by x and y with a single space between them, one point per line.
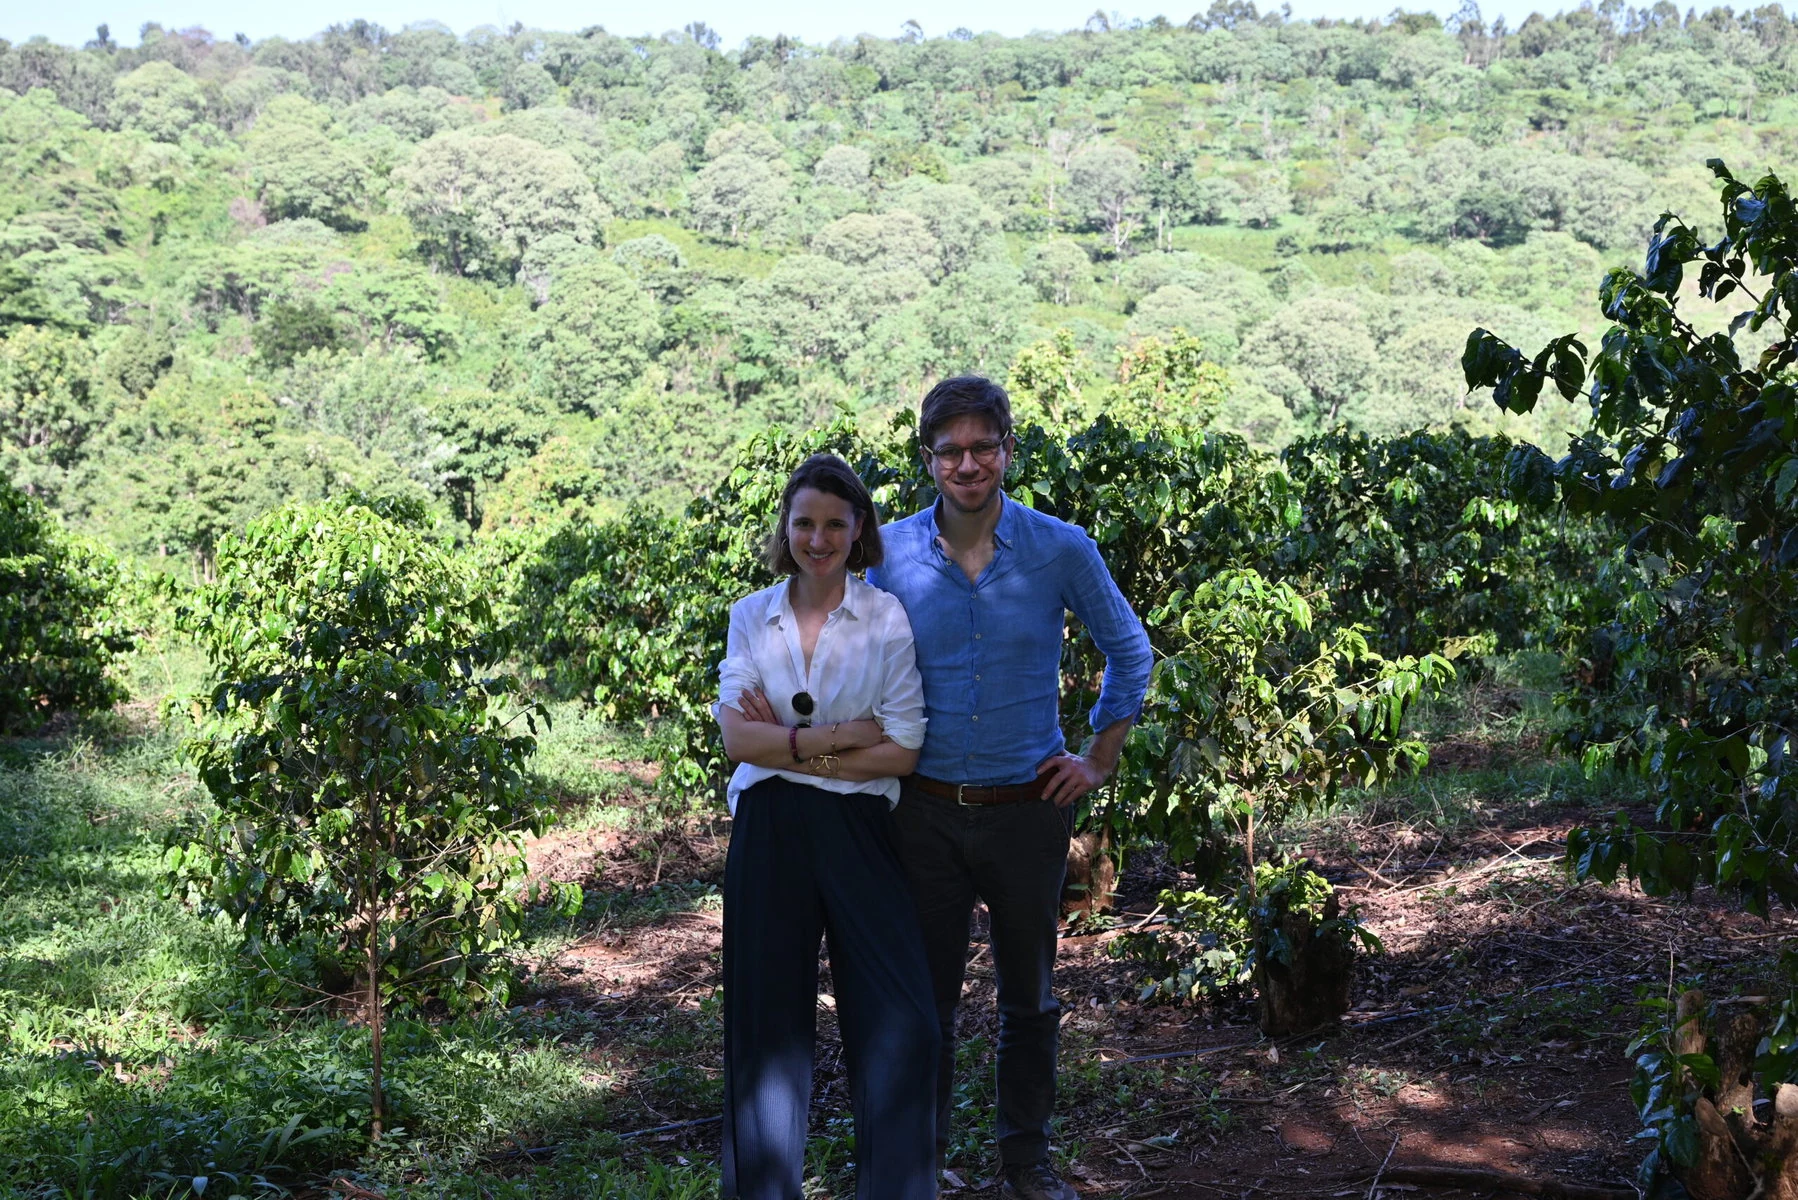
pixel 60 627
pixel 1689 680
pixel 371 786
pixel 1212 943
pixel 1255 712
pixel 1416 538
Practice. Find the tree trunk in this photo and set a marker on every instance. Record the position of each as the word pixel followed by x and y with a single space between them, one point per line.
pixel 1310 991
pixel 1091 883
pixel 1738 1156
pixel 1719 1173
pixel 374 1025
pixel 1782 1149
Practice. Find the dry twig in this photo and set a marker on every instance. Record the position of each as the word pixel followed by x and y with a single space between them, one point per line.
pixel 1374 1187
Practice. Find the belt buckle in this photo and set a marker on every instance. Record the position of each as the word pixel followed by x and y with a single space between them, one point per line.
pixel 960 789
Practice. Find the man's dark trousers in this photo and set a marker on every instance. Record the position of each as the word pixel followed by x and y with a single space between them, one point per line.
pixel 1013 856
pixel 805 862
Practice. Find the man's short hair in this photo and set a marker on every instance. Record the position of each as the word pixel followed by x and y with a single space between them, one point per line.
pixel 963 396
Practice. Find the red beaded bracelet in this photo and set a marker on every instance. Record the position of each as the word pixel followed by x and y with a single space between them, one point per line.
pixel 793 742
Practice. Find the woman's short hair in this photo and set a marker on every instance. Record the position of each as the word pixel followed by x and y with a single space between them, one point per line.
pixel 963 396
pixel 832 476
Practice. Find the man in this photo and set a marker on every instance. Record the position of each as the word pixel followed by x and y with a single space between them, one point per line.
pixel 987 583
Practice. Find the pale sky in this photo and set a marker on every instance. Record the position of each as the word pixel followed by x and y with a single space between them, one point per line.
pixel 72 22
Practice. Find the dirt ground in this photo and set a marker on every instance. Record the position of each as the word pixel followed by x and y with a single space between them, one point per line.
pixel 1490 1034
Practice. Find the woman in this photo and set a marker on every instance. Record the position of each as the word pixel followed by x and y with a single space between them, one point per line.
pixel 822 709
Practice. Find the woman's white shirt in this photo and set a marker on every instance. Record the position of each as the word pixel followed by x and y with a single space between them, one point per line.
pixel 863 666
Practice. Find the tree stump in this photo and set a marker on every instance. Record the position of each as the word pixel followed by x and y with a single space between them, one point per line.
pixel 1738 1155
pixel 1091 883
pixel 1307 987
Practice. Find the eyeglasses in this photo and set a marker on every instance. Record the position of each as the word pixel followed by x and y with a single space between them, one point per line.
pixel 802 704
pixel 985 453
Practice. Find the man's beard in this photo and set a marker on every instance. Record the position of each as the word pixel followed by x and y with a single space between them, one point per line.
pixel 959 507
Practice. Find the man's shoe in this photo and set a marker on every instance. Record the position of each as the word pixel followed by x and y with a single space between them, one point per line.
pixel 1035 1182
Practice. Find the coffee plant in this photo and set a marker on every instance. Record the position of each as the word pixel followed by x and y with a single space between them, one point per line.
pixel 1253 715
pixel 1213 943
pixel 61 620
pixel 1416 538
pixel 370 777
pixel 1266 699
pixel 60 617
pixel 632 614
pixel 1692 456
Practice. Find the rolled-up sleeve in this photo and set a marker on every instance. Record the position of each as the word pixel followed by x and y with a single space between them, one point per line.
pixel 1093 596
pixel 737 673
pixel 899 707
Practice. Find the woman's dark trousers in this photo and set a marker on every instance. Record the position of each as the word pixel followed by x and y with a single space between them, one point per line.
pixel 803 863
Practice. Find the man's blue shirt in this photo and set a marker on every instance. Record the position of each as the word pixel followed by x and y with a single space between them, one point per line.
pixel 990 651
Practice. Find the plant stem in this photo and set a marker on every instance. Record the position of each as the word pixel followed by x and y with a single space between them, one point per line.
pixel 372 915
pixel 374 1022
pixel 1248 845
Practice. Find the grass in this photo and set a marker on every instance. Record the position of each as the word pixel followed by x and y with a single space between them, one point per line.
pixel 583 760
pixel 1488 760
pixel 139 1052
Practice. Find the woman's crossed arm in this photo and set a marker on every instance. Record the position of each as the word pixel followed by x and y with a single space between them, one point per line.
pixel 863 752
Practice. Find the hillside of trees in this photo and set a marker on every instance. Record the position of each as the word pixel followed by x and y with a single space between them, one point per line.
pixel 522 275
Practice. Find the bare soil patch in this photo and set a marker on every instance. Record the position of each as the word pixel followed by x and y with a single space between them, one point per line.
pixel 625 860
pixel 1489 1035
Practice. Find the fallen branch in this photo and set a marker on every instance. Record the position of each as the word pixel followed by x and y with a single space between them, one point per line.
pixel 1388 1018
pixel 693 1124
pixel 1167 1054
pixel 1432 1027
pixel 355 1191
pixel 533 1152
pixel 518 1152
pixel 1477 1179
pixel 1511 859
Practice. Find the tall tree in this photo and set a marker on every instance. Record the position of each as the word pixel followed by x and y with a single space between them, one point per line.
pixel 479 202
pixel 1105 185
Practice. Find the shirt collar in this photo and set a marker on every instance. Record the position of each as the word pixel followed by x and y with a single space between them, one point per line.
pixel 780 603
pixel 1005 533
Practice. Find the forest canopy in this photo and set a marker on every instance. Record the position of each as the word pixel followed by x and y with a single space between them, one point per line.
pixel 526 275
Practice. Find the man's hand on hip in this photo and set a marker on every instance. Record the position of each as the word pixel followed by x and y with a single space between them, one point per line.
pixel 1071 776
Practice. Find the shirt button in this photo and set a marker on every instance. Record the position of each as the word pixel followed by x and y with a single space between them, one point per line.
pixel 976 718
pixel 976 679
pixel 977 637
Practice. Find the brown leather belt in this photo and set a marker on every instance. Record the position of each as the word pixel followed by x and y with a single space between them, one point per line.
pixel 964 793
